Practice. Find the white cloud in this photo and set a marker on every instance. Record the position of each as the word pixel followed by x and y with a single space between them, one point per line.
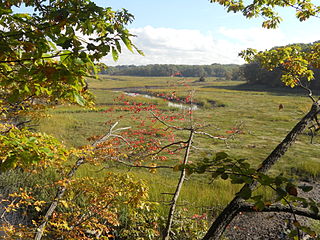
pixel 258 38
pixel 186 46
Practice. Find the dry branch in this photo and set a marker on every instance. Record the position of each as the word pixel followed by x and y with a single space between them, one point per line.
pixel 246 207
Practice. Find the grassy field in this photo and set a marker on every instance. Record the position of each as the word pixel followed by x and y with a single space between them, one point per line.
pixel 256 112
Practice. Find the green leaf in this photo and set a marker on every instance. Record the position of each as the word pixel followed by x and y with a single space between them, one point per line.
pixel 259 205
pixel 224 176
pixel 245 193
pixel 128 43
pixel 118 46
pixel 306 188
pixel 237 179
pixel 79 99
pixel 314 209
pixel 221 155
pixel 201 169
pixel 115 54
pixel 215 174
pixel 281 193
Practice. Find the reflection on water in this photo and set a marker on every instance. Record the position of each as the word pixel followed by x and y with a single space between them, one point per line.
pixel 170 104
pixel 183 106
pixel 138 94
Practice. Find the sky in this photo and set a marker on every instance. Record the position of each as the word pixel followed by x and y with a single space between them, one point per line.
pixel 200 32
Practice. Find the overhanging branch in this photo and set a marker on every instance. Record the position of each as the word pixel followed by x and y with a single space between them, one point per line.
pixel 247 207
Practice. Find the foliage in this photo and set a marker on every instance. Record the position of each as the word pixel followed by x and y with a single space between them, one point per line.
pixel 188 227
pixel 142 223
pixel 45 57
pixel 297 65
pixel 23 148
pixel 46 54
pixel 91 208
pixel 240 171
pixel 268 9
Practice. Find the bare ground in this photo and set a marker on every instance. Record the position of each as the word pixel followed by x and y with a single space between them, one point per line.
pixel 268 226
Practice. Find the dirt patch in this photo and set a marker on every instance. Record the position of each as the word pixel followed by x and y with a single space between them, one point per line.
pixel 268 226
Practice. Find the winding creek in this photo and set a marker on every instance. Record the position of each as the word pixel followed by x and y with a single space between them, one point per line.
pixel 170 103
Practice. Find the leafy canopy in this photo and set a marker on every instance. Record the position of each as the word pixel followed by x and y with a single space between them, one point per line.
pixel 45 55
pixel 267 9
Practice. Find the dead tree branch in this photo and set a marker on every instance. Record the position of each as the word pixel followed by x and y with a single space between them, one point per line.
pixel 246 207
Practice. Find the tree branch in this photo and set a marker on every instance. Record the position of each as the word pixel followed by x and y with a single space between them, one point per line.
pixel 246 207
pixel 33 59
pixel 143 166
pixel 210 136
pixel 173 204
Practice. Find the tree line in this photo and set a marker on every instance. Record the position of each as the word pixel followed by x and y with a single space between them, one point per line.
pixel 227 71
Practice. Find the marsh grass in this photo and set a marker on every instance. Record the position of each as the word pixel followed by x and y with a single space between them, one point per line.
pixel 255 112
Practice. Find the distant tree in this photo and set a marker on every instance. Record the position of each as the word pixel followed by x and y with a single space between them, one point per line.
pixel 215 70
pixel 202 79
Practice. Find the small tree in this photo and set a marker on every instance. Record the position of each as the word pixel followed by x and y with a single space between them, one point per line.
pixel 202 79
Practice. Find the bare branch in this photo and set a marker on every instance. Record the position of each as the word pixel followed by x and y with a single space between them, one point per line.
pixel 210 136
pixel 168 125
pixel 109 134
pixel 247 207
pixel 307 89
pixel 173 205
pixel 143 166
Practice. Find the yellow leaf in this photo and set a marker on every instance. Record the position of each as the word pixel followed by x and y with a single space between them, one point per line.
pixel 64 203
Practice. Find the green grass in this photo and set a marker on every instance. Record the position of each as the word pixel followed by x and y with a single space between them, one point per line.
pixel 262 124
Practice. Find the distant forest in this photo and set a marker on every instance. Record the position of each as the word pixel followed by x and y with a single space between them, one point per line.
pixel 226 71
pixel 252 73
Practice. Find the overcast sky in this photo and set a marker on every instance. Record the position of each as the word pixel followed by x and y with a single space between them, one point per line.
pixel 200 32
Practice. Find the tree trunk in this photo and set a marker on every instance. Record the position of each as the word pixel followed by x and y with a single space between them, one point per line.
pixel 166 235
pixel 56 200
pixel 232 209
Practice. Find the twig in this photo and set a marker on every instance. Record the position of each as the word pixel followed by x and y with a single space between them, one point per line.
pixel 143 166
pixel 210 136
pixel 168 125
